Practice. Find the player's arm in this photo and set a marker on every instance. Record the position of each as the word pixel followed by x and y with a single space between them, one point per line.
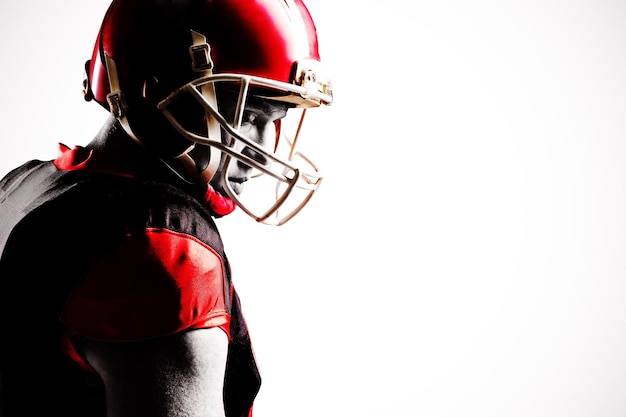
pixel 178 375
pixel 151 319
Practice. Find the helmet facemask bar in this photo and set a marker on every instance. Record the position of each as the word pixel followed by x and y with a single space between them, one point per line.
pixel 290 179
pixel 288 197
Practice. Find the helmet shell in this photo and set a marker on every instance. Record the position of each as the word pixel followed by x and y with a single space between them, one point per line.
pixel 149 41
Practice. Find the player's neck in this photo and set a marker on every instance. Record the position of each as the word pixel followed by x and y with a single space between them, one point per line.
pixel 113 144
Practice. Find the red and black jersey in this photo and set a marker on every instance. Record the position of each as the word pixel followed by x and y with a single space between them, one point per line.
pixel 111 257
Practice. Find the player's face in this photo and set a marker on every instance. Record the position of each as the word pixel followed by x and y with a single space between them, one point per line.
pixel 258 125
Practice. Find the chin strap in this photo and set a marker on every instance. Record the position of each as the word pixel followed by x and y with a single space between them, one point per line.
pixel 201 63
pixel 116 100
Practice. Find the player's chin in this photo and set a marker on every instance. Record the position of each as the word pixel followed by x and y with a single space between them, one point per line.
pixel 233 187
pixel 236 186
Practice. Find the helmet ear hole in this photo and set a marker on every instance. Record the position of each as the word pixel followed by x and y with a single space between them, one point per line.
pixel 189 114
pixel 151 89
pixel 154 131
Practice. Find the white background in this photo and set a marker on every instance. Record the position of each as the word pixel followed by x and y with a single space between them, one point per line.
pixel 466 253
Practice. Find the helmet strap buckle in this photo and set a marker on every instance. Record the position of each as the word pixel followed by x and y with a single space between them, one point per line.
pixel 117 104
pixel 200 57
pixel 201 63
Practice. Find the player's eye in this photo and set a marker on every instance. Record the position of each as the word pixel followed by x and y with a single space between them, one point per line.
pixel 249 118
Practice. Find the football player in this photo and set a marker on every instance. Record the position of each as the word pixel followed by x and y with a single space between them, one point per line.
pixel 117 296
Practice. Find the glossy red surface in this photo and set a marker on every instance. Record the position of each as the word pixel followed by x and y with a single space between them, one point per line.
pixel 150 41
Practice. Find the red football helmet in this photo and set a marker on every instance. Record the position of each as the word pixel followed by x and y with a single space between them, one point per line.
pixel 162 67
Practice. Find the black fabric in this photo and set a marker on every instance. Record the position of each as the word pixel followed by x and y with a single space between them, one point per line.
pixel 53 224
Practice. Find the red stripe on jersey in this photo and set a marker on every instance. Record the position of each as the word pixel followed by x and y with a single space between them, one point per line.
pixel 153 284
